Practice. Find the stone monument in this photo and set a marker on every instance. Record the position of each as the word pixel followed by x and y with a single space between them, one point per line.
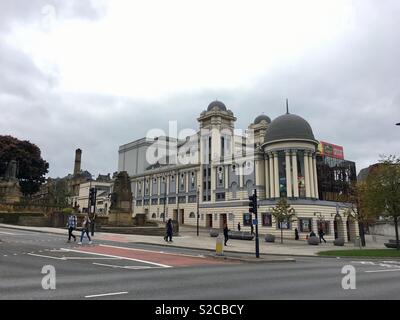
pixel 121 201
pixel 10 191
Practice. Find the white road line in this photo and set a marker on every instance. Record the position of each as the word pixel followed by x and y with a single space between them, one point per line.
pixel 124 258
pixel 106 294
pixel 124 267
pixel 50 257
pixel 387 270
pixel 9 233
pixel 90 258
pixel 152 251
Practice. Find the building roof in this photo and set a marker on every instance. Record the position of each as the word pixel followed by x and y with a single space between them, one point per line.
pixel 262 117
pixel 288 127
pixel 220 105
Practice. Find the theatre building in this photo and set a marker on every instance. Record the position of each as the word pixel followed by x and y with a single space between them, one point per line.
pixel 209 176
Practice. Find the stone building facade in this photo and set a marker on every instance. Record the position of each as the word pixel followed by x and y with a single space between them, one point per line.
pixel 210 175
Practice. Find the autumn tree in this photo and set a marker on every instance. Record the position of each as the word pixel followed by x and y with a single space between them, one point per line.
pixel 283 212
pixel 31 167
pixel 383 191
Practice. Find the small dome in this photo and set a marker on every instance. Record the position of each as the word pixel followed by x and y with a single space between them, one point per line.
pixel 262 117
pixel 289 126
pixel 218 104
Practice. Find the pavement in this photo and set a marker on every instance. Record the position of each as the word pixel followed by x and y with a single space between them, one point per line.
pixel 188 239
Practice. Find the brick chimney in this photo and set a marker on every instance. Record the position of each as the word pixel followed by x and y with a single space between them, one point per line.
pixel 78 156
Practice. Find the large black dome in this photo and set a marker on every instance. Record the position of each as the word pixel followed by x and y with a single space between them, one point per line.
pixel 218 104
pixel 262 117
pixel 289 127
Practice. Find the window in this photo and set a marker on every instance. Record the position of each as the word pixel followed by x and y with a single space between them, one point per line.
pixel 192 215
pixel 146 202
pixel 154 201
pixel 162 201
pixel 192 199
pixel 325 225
pixel 182 199
pixel 266 219
pixel 284 225
pixel 220 196
pixel 305 224
pixel 172 200
pixel 162 215
pixel 138 203
pixel 153 216
pixel 246 219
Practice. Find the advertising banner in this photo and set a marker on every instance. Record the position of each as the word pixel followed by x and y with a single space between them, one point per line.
pixel 330 150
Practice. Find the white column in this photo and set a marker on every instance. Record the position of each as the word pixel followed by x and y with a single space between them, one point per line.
pixel 276 175
pixel 187 181
pixel 240 168
pixel 167 185
pixel 226 177
pixel 177 183
pixel 150 186
pixel 271 174
pixel 159 185
pixel 266 171
pixel 315 176
pixel 288 174
pixel 307 174
pixel 295 176
pixel 311 171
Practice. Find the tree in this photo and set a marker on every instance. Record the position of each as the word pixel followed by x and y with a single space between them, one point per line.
pixel 31 167
pixel 282 212
pixel 356 202
pixel 383 191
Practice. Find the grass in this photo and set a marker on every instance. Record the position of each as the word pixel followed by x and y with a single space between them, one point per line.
pixel 362 253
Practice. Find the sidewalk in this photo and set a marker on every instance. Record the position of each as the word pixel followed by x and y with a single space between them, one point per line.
pixel 189 239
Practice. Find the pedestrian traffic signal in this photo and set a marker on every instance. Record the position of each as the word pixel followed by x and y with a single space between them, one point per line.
pixel 253 204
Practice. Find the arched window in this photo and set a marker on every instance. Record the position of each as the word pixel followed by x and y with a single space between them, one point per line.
pixel 162 215
pixel 234 190
pixel 249 187
pixel 153 216
pixel 192 215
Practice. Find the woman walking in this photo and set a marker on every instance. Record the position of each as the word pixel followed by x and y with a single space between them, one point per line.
pixel 85 229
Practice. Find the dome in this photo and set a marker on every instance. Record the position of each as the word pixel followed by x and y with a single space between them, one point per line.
pixel 262 117
pixel 289 127
pixel 218 104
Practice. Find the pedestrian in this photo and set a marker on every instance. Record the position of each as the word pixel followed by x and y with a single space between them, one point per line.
pixel 238 226
pixel 169 231
pixel 312 234
pixel 85 229
pixel 321 235
pixel 71 225
pixel 252 228
pixel 226 233
pixel 296 234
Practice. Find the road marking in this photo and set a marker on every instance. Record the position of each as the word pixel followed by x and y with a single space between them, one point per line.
pixel 124 267
pixel 90 258
pixel 43 256
pixel 9 233
pixel 152 251
pixel 119 257
pixel 387 270
pixel 106 294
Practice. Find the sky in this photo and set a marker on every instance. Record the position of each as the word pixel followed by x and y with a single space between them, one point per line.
pixel 97 74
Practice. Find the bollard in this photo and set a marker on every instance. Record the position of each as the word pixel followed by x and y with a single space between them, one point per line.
pixel 219 251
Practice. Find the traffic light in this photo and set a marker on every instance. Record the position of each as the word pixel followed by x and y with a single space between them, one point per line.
pixel 253 204
pixel 92 196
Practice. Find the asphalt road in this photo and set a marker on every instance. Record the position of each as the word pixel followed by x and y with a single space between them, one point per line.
pixel 115 270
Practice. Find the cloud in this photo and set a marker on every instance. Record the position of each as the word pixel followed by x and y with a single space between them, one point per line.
pixel 347 89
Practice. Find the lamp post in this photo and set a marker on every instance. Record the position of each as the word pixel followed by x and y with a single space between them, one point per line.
pixel 198 213
pixel 165 196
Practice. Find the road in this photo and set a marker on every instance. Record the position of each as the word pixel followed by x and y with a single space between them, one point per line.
pixel 120 270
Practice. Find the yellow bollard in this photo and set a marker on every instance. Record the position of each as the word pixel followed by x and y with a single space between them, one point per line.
pixel 219 249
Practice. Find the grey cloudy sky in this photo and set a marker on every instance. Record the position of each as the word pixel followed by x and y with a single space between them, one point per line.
pixel 98 74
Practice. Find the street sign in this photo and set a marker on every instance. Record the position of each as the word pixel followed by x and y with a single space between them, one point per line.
pixel 255 222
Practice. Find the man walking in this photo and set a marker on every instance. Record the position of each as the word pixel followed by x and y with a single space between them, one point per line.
pixel 238 226
pixel 321 235
pixel 71 225
pixel 169 231
pixel 226 233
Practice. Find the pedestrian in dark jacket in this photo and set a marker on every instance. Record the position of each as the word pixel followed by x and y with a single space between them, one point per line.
pixel 321 235
pixel 296 234
pixel 169 231
pixel 238 226
pixel 226 234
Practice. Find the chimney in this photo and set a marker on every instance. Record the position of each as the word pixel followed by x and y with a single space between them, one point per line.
pixel 78 156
